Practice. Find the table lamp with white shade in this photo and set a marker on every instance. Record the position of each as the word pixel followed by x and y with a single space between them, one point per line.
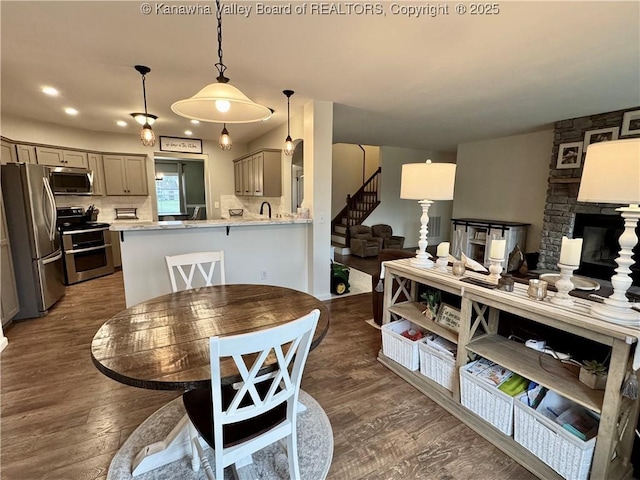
pixel 612 175
pixel 426 182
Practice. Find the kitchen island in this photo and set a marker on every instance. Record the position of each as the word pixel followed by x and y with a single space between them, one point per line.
pixel 273 251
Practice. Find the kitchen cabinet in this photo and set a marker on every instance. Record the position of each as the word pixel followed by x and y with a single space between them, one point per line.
pixel 125 175
pixel 95 165
pixel 259 174
pixel 115 249
pixel 26 153
pixel 9 305
pixel 54 157
pixel 481 311
pixel 7 152
pixel 473 238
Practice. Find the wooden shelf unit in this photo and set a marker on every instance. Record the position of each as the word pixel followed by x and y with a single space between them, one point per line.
pixel 479 319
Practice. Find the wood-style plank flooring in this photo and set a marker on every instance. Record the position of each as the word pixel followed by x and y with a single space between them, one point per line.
pixel 62 419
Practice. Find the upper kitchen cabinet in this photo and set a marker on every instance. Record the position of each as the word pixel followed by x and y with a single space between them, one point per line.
pixel 7 152
pixel 26 153
pixel 95 165
pixel 54 157
pixel 259 174
pixel 124 175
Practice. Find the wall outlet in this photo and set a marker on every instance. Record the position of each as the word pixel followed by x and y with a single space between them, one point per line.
pixel 321 218
pixel 216 204
pixel 264 275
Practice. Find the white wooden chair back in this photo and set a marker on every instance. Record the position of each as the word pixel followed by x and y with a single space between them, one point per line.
pixel 289 344
pixel 187 264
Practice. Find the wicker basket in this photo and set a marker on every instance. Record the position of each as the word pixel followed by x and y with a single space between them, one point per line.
pixel 561 450
pixel 436 365
pixel 398 348
pixel 486 401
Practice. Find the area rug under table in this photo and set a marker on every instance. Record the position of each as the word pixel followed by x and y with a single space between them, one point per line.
pixel 315 448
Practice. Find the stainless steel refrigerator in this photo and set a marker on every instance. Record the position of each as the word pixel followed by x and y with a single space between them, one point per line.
pixel 35 246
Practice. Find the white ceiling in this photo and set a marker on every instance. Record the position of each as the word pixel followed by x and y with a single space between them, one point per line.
pixel 428 82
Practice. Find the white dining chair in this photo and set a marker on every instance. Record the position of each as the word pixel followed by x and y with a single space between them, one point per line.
pixel 186 264
pixel 241 419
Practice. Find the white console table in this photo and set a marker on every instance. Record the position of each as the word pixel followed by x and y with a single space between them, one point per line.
pixel 479 319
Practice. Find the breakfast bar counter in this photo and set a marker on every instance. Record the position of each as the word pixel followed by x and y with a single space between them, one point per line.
pixel 271 251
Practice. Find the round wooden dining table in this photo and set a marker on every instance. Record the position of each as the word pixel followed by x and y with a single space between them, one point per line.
pixel 163 343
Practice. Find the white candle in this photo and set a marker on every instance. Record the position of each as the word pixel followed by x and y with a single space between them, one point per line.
pixel 497 249
pixel 443 249
pixel 570 251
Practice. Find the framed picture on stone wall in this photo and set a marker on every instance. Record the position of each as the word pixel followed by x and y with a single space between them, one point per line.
pixel 569 155
pixel 600 135
pixel 630 124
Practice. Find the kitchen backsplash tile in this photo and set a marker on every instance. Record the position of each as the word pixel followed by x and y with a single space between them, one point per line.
pixel 108 204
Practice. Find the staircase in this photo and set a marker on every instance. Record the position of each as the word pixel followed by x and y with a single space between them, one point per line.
pixel 359 207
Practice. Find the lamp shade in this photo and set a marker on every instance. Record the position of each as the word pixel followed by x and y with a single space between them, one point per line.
pixel 221 103
pixel 428 181
pixel 611 173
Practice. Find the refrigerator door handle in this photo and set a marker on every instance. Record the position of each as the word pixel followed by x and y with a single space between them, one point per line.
pixel 52 259
pixel 52 209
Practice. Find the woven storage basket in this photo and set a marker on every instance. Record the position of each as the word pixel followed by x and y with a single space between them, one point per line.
pixel 486 401
pixel 436 365
pixel 398 348
pixel 561 450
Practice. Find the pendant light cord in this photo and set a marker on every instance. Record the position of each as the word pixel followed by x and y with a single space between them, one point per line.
pixel 144 97
pixel 288 117
pixel 220 65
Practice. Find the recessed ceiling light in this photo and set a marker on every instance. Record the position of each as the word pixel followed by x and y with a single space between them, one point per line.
pixel 188 132
pixel 121 123
pixel 70 111
pixel 52 92
pixel 195 122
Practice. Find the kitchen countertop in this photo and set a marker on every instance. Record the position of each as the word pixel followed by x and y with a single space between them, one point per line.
pixel 128 225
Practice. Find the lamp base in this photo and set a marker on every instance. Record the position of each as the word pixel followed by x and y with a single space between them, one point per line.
pixel 423 262
pixel 618 315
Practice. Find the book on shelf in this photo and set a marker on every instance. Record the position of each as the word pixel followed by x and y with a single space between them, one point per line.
pixel 579 421
pixel 489 372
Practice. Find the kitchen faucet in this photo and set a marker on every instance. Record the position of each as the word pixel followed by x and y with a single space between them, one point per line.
pixel 268 205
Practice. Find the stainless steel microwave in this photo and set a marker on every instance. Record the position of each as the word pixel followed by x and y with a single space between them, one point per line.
pixel 71 181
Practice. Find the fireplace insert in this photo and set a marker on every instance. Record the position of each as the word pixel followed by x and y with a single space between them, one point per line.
pixel 600 246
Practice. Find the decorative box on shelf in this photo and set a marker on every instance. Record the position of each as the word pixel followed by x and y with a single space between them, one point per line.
pixel 400 348
pixel 539 432
pixel 437 360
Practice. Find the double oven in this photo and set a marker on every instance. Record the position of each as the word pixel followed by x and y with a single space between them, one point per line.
pixel 86 246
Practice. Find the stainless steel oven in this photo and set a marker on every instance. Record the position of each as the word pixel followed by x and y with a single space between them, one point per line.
pixel 87 253
pixel 86 246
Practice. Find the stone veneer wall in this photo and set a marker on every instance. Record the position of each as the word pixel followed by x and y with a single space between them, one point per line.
pixel 563 185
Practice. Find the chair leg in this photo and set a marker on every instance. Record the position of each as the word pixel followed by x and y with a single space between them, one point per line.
pixel 195 454
pixel 292 455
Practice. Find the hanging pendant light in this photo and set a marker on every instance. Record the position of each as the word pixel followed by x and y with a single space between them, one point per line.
pixel 225 139
pixel 289 147
pixel 221 102
pixel 146 134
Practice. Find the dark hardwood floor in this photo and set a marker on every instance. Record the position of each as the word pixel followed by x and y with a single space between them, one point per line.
pixel 62 419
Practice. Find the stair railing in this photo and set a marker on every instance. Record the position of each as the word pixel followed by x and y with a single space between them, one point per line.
pixel 360 205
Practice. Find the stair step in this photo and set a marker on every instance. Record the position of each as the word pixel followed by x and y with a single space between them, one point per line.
pixel 341 250
pixel 339 240
pixel 340 229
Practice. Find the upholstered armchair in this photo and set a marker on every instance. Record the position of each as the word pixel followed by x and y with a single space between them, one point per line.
pixel 389 240
pixel 362 243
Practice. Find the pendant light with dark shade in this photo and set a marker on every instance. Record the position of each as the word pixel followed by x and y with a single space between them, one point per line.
pixel 146 134
pixel 289 147
pixel 221 102
pixel 225 139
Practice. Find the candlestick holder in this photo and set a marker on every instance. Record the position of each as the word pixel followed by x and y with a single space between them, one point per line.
pixel 564 285
pixel 442 262
pixel 495 269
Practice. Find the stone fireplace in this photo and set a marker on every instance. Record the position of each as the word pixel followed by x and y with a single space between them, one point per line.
pixel 563 215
